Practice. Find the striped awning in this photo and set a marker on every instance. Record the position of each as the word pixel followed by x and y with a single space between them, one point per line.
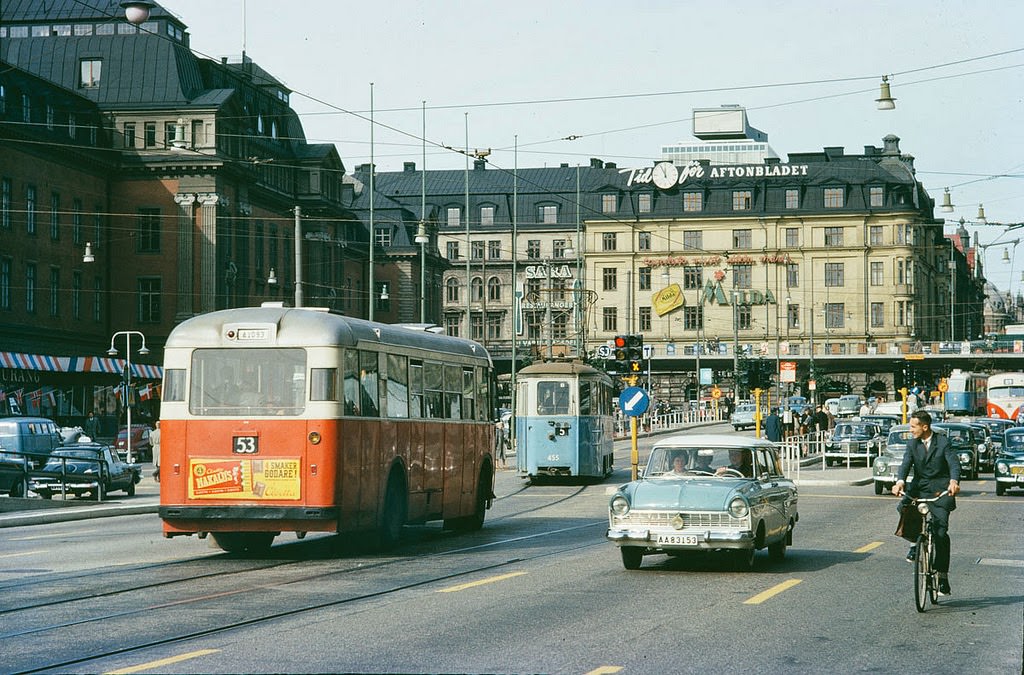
pixel 77 364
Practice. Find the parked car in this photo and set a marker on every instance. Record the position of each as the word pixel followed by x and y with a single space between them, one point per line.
pixel 85 468
pixel 743 416
pixel 14 468
pixel 849 405
pixel 886 466
pixel 832 406
pixel 986 448
pixel 1009 469
pixel 886 422
pixel 729 496
pixel 142 449
pixel 966 444
pixel 31 438
pixel 854 441
pixel 797 404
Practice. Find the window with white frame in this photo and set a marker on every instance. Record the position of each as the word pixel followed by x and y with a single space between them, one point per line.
pixel 833 236
pixel 693 201
pixel 454 216
pixel 644 202
pixel 610 319
pixel 487 215
pixel 792 237
pixel 693 277
pixel 876 196
pixel 609 203
pixel 742 275
pixel 533 249
pixel 877 314
pixel 835 314
pixel 834 197
pixel 742 239
pixel 792 199
pixel 493 289
pixel 609 241
pixel 742 200
pixel 494 249
pixel 89 73
pixel 610 278
pixel 792 275
pixel 875 235
pixel 452 250
pixel 644 241
pixel 547 214
pixel 643 278
pixel 476 250
pixel 451 290
pixel 644 319
pixel 877 272
pixel 693 240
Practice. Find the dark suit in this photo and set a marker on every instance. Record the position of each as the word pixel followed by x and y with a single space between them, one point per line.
pixel 773 428
pixel 932 472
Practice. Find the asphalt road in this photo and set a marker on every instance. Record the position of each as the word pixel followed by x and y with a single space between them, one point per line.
pixel 537 590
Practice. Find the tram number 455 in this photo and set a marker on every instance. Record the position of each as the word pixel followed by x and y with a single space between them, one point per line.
pixel 553 458
pixel 246 445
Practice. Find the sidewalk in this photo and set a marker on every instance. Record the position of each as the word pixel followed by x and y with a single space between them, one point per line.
pixel 17 512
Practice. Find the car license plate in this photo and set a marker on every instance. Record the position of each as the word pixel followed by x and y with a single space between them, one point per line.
pixel 677 539
pixel 1017 470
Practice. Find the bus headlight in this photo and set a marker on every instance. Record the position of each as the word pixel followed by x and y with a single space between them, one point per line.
pixel 620 505
pixel 738 508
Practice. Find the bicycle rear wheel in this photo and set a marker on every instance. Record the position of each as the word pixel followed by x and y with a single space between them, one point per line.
pixel 922 573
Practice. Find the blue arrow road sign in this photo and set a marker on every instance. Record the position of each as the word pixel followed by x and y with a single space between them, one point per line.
pixel 634 401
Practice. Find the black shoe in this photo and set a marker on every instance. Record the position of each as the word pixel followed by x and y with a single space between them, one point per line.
pixel 944 588
pixel 912 554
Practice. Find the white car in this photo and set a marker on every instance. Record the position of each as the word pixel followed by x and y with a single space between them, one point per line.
pixel 743 416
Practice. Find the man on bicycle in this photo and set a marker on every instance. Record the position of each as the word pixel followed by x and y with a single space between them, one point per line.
pixel 936 469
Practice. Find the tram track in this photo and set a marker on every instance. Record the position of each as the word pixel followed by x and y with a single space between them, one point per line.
pixel 269 617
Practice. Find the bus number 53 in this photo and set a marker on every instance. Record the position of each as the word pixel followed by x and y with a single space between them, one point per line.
pixel 246 445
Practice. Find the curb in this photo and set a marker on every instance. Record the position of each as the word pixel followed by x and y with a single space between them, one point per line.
pixel 69 514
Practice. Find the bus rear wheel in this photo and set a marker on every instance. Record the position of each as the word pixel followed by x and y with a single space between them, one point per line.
pixel 475 521
pixel 244 542
pixel 393 515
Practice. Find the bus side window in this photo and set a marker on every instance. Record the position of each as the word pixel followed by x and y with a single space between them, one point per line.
pixel 369 384
pixel 323 384
pixel 416 389
pixel 397 387
pixel 468 394
pixel 433 386
pixel 453 392
pixel 351 382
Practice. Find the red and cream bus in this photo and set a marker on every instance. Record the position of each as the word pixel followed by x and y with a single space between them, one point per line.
pixel 277 419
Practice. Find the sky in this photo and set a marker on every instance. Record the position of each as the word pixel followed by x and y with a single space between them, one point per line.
pixel 569 80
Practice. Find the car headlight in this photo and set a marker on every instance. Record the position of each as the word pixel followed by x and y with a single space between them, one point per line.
pixel 620 505
pixel 1002 467
pixel 965 457
pixel 738 508
pixel 881 465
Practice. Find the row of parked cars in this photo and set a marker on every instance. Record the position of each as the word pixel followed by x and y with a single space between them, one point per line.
pixel 38 457
pixel 986 444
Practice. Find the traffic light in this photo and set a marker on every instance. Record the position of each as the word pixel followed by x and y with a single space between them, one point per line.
pixel 620 354
pixel 635 353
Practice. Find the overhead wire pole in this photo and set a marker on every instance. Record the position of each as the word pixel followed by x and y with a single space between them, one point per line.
pixel 372 233
pixel 516 294
pixel 469 285
pixel 423 217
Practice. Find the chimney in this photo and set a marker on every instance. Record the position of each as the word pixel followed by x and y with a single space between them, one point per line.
pixel 595 163
pixel 408 166
pixel 834 152
pixel 870 151
pixel 479 164
pixel 892 144
pixel 611 165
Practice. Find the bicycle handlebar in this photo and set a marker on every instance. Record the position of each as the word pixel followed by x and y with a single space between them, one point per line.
pixel 921 500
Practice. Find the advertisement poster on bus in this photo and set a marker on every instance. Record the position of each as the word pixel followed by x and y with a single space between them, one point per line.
pixel 244 479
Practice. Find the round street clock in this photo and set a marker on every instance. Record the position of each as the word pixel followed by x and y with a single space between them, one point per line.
pixel 665 175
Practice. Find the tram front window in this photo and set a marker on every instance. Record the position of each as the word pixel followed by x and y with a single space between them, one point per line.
pixel 248 382
pixel 552 398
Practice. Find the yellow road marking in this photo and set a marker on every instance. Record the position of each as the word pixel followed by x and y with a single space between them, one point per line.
pixel 605 669
pixel 163 662
pixel 481 582
pixel 771 592
pixel 868 547
pixel 16 555
pixel 51 536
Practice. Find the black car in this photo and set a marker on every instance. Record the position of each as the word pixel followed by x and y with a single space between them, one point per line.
pixel 1009 469
pixel 854 441
pixel 886 422
pixel 996 426
pixel 85 468
pixel 968 448
pixel 13 473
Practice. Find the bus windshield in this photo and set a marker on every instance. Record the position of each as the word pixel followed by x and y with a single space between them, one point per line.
pixel 248 382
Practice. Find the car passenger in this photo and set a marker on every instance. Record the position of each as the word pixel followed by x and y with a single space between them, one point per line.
pixel 678 465
pixel 739 461
pixel 702 461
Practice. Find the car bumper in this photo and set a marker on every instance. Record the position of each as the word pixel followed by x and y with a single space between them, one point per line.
pixel 688 540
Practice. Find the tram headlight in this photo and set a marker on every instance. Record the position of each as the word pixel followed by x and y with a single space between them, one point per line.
pixel 620 505
pixel 738 508
pixel 314 438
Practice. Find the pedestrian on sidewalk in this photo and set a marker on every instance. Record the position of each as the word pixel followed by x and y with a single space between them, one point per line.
pixel 154 441
pixel 773 426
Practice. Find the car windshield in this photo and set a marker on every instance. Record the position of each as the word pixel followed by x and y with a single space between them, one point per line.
pixel 853 430
pixel 899 438
pixel 76 454
pixel 958 436
pixel 699 461
pixel 1013 441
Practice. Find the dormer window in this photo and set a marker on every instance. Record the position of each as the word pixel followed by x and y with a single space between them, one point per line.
pixel 90 70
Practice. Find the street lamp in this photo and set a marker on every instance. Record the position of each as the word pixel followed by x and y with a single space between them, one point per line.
pixel 136 11
pixel 128 376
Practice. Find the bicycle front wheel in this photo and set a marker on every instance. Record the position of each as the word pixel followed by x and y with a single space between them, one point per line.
pixel 933 576
pixel 921 573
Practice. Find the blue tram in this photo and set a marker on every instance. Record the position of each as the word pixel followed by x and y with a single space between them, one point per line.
pixel 967 393
pixel 564 421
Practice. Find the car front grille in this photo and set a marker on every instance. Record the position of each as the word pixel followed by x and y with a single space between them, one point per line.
pixel 643 519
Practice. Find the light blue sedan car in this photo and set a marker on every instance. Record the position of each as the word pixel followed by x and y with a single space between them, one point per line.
pixel 705 493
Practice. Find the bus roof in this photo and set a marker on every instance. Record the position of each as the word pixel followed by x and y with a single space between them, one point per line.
pixel 311 327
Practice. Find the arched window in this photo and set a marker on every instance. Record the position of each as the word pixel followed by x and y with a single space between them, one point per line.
pixel 493 289
pixel 478 289
pixel 452 288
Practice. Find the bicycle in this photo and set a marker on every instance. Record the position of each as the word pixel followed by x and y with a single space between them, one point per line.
pixel 926 578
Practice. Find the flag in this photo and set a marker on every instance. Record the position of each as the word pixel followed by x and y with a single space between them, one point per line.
pixel 145 393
